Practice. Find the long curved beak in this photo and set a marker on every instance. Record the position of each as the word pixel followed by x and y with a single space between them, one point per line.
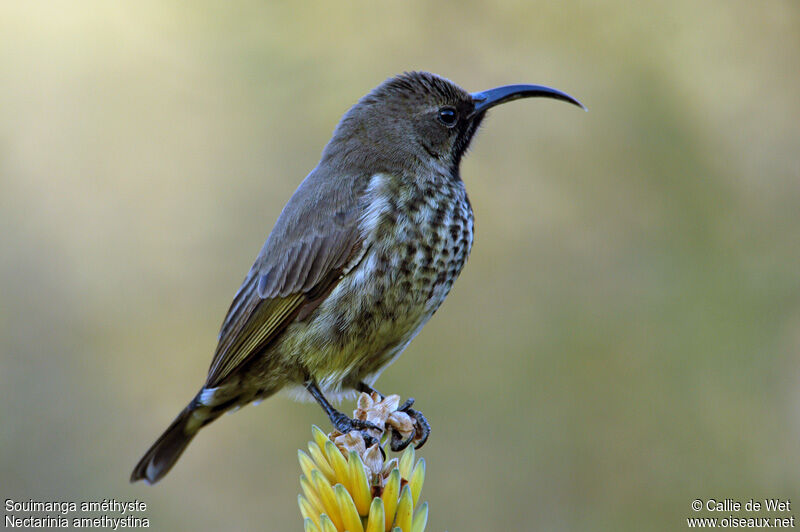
pixel 485 99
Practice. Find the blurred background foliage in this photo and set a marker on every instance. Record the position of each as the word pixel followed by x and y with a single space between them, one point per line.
pixel 624 338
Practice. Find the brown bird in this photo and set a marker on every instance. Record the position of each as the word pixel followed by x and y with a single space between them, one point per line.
pixel 360 258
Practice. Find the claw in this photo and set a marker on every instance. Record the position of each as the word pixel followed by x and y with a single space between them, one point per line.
pixel 397 444
pixel 423 427
pixel 406 405
pixel 369 441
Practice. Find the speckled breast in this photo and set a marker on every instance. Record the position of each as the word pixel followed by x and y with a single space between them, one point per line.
pixel 416 240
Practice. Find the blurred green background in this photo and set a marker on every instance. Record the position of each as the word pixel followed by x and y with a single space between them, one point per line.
pixel 624 338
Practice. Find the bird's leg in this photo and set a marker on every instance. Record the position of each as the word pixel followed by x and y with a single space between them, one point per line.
pixel 423 427
pixel 340 421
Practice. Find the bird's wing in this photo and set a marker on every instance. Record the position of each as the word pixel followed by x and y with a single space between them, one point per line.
pixel 314 240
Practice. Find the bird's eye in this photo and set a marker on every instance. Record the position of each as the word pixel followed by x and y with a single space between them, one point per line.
pixel 448 116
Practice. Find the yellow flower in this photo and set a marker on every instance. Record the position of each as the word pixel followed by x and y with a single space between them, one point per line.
pixel 348 486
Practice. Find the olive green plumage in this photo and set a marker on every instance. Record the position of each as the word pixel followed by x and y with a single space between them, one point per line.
pixel 360 258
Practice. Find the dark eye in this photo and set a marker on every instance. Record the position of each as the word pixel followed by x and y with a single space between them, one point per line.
pixel 448 116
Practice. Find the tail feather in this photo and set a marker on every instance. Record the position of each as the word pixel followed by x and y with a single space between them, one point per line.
pixel 163 454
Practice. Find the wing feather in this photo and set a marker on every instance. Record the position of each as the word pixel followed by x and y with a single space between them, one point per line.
pixel 267 318
pixel 304 257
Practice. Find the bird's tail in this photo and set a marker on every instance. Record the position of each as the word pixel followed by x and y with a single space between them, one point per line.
pixel 163 454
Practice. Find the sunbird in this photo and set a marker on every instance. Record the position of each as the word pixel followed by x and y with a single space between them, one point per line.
pixel 362 255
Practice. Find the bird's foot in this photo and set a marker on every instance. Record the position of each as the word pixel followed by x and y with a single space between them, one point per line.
pixel 404 424
pixel 341 422
pixel 422 429
pixel 345 424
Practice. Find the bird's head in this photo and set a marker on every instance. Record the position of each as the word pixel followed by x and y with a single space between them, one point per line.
pixel 417 119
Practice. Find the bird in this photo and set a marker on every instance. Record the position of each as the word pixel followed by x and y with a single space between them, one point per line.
pixel 362 255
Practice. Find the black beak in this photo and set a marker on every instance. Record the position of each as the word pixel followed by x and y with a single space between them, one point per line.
pixel 486 99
